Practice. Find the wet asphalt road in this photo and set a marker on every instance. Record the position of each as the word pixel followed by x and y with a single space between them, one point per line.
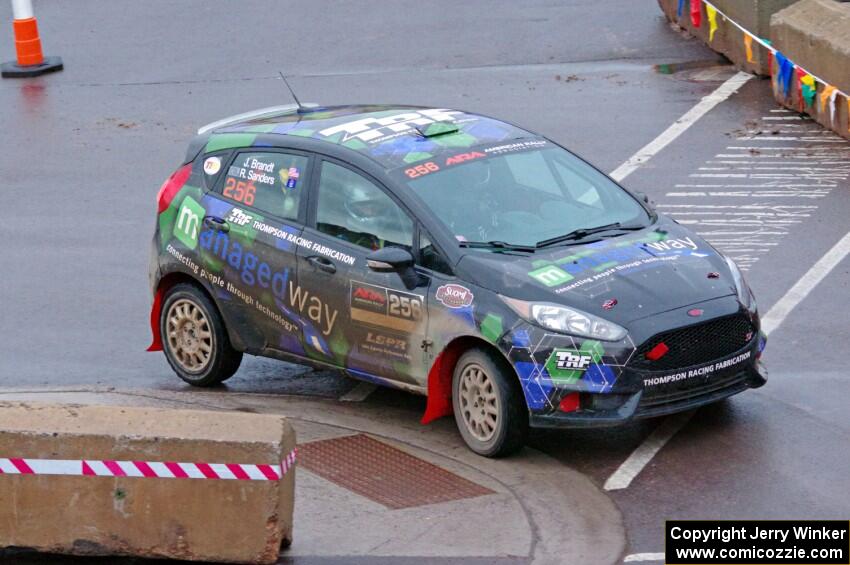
pixel 84 152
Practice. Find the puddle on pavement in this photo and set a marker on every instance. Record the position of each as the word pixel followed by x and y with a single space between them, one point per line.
pixel 698 71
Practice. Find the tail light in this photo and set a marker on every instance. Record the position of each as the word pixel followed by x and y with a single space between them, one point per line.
pixel 172 186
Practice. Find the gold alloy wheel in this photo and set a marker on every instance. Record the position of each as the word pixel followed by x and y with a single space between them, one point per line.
pixel 479 404
pixel 189 336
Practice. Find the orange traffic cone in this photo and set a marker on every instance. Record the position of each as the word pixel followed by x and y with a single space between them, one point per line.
pixel 30 61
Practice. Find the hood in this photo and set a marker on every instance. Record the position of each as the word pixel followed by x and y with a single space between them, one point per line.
pixel 621 279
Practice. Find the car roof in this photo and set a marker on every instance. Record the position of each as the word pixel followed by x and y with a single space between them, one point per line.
pixel 391 135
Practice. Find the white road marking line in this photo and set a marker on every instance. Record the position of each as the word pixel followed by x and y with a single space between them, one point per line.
pixel 681 125
pixel 775 316
pixel 804 286
pixel 776 155
pixel 359 393
pixel 643 454
pixel 643 557
pixel 745 246
pixel 778 138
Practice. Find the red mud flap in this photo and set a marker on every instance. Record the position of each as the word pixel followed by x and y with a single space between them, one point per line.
pixel 156 344
pixel 440 385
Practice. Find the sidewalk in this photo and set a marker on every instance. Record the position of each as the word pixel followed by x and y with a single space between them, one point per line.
pixel 372 481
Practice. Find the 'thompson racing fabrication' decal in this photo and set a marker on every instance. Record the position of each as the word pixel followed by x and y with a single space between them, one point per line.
pixel 385 307
pixel 698 372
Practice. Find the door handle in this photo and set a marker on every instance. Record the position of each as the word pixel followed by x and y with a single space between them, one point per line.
pixel 322 263
pixel 216 223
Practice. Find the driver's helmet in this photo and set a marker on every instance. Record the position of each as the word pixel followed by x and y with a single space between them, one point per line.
pixel 372 215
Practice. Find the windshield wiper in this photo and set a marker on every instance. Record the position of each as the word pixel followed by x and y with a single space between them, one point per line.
pixel 497 245
pixel 581 233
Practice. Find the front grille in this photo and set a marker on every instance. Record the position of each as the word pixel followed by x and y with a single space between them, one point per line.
pixel 695 345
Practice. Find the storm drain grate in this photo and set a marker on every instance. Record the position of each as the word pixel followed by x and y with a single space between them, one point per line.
pixel 382 473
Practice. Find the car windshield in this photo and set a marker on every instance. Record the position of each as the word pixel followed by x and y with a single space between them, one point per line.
pixel 522 194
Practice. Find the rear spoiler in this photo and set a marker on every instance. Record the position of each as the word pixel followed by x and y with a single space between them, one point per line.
pixel 269 112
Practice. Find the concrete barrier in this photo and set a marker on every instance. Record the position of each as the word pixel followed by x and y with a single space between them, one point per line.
pixel 753 15
pixel 815 35
pixel 102 480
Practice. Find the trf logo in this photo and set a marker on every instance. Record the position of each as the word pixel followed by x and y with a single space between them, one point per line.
pixel 239 217
pixel 551 275
pixel 566 366
pixel 375 129
pixel 569 360
pixel 188 225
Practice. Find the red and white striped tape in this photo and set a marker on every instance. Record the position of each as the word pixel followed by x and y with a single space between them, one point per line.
pixel 147 469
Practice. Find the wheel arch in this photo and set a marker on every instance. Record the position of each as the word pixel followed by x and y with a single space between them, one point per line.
pixel 166 283
pixel 439 401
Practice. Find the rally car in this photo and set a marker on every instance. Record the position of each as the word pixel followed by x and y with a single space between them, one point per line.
pixel 448 254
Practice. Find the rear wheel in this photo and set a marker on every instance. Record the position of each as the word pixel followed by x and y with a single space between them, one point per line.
pixel 489 407
pixel 194 339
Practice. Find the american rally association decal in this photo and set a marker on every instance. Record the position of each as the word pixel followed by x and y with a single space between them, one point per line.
pixel 385 307
pixel 454 296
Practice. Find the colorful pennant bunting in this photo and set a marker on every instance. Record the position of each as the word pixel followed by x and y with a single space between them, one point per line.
pixel 832 100
pixel 784 72
pixel 808 87
pixel 696 14
pixel 711 12
pixel 825 95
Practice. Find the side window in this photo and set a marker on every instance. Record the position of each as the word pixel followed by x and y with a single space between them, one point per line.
pixel 430 257
pixel 269 182
pixel 352 208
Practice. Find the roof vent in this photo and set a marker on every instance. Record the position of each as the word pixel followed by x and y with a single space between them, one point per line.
pixel 437 128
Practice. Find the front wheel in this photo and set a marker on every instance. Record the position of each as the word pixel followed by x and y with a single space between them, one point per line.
pixel 489 407
pixel 194 339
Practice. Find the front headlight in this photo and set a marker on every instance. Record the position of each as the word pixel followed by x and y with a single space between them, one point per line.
pixel 566 320
pixel 745 295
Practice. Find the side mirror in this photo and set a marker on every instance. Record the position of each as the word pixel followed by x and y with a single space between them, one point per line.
pixel 389 259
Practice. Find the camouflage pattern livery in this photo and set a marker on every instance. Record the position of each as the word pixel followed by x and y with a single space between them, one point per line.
pixel 265 275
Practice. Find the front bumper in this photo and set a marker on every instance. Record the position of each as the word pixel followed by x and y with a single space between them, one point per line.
pixel 613 386
pixel 617 409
